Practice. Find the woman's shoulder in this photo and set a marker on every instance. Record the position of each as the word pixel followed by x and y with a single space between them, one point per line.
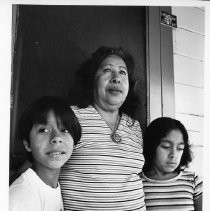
pixel 131 122
pixel 131 125
pixel 87 110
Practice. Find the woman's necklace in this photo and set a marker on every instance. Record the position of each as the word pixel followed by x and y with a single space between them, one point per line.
pixel 116 138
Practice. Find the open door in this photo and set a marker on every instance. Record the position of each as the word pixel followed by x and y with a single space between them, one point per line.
pixel 52 41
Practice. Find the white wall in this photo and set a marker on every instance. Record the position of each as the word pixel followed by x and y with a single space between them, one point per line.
pixel 188 50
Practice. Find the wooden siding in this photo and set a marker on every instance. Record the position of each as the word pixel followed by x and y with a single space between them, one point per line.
pixel 188 47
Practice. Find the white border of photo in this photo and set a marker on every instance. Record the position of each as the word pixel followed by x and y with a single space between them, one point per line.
pixel 5 78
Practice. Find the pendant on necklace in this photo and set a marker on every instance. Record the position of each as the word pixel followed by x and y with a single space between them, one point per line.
pixel 116 138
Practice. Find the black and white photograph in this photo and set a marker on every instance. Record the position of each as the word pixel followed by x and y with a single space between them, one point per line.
pixel 105 106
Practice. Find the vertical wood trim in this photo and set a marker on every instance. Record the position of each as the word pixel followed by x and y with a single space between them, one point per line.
pixel 153 64
pixel 15 76
pixel 167 67
pixel 160 71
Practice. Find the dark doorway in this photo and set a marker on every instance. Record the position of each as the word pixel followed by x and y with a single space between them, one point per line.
pixel 52 41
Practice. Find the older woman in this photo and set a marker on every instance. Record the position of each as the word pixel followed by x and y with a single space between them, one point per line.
pixel 102 173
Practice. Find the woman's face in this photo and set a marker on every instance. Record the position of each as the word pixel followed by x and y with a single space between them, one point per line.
pixel 111 83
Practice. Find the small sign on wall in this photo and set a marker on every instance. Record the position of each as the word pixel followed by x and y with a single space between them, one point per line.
pixel 168 19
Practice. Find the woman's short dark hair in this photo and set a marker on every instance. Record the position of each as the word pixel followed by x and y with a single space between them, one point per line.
pixel 37 113
pixel 158 129
pixel 86 74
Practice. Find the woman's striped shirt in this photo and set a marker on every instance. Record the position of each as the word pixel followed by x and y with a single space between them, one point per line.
pixel 103 175
pixel 173 194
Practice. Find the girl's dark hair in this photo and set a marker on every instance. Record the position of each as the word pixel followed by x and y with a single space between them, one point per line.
pixel 37 113
pixel 85 76
pixel 158 129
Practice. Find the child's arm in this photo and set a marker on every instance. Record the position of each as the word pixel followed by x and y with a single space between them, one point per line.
pixel 198 203
pixel 198 192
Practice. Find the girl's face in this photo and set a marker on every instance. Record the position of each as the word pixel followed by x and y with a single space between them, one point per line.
pixel 169 152
pixel 51 144
pixel 111 83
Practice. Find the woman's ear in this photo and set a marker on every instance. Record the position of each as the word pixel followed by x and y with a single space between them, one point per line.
pixel 26 145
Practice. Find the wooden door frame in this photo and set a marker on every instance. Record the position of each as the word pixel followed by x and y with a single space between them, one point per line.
pixel 160 68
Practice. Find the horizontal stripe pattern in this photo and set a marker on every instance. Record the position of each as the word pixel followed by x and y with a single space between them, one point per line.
pixel 101 174
pixel 174 194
